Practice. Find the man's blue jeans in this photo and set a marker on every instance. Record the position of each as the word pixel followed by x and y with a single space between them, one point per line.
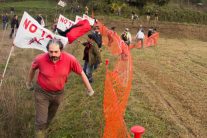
pixel 4 26
pixel 89 71
pixel 85 66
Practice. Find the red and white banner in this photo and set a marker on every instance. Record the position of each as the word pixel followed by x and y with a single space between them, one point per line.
pixel 64 23
pixel 77 30
pixel 91 20
pixel 78 18
pixel 31 34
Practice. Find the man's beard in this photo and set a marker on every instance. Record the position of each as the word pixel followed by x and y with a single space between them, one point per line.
pixel 54 58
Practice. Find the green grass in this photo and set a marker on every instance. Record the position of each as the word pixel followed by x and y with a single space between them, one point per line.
pixel 159 74
pixel 41 4
pixel 167 97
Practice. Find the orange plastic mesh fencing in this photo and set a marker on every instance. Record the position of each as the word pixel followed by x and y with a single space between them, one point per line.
pixel 117 85
pixel 110 39
pixel 148 41
pixel 113 42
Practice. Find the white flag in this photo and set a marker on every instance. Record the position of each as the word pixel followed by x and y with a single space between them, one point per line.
pixel 64 23
pixel 62 3
pixel 91 20
pixel 31 34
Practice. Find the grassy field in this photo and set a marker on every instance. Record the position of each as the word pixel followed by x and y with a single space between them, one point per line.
pixel 42 4
pixel 168 95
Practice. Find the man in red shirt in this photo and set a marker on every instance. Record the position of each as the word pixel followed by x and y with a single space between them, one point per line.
pixel 54 68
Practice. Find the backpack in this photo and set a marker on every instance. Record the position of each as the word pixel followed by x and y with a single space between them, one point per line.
pixel 124 37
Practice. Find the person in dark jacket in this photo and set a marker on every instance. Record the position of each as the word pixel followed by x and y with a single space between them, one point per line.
pixel 39 18
pixel 86 54
pixel 97 36
pixel 91 56
pixel 98 39
pixel 150 31
pixel 5 21
pixel 14 24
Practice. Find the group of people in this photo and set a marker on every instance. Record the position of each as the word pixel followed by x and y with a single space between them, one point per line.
pixel 140 36
pixel 5 18
pixel 14 23
pixel 148 13
pixel 92 53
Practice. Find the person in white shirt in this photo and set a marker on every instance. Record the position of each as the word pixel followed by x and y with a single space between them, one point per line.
pixel 140 37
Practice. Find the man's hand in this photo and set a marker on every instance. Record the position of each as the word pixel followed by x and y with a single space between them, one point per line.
pixel 90 92
pixel 29 86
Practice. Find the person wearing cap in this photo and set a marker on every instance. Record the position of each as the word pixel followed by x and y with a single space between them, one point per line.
pixel 126 36
pixel 91 56
pixel 54 68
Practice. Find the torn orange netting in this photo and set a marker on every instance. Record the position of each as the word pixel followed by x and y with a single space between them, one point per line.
pixel 117 85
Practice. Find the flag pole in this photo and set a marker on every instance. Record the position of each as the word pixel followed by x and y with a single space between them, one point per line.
pixel 7 62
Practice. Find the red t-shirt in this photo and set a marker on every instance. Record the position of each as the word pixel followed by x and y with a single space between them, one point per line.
pixel 53 76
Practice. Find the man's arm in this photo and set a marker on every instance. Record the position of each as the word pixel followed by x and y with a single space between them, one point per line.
pixel 30 78
pixel 90 91
pixel 31 74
